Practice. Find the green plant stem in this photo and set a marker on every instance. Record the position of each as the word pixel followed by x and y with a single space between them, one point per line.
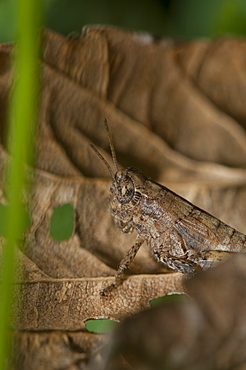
pixel 21 122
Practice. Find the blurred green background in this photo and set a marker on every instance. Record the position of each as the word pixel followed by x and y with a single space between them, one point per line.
pixel 178 18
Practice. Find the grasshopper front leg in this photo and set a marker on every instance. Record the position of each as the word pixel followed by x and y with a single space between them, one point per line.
pixel 124 264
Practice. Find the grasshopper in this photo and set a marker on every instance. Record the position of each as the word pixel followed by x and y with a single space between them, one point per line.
pixel 180 235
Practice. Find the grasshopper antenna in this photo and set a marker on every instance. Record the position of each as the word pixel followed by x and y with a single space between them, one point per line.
pixel 111 144
pixel 104 161
pixel 112 152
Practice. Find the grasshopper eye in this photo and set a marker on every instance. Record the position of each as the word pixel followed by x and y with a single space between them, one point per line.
pixel 124 189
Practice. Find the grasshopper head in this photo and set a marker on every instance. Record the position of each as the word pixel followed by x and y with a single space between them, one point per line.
pixel 125 190
pixel 124 186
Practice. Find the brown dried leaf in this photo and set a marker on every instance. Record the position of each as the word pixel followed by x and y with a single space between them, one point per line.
pixel 205 331
pixel 168 119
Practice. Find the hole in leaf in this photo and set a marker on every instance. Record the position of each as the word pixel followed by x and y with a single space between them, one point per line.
pixel 62 222
pixel 26 222
pixel 167 298
pixel 100 325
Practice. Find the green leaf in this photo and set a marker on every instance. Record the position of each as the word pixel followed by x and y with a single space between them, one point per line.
pixel 167 298
pixel 100 325
pixel 62 222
